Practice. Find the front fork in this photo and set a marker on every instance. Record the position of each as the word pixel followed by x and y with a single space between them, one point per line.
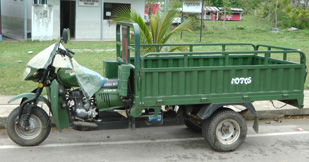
pixel 28 103
pixel 25 124
pixel 31 102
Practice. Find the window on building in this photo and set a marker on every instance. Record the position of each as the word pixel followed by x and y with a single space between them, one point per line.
pixel 110 9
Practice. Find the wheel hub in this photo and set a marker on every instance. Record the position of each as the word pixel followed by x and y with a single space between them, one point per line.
pixel 32 130
pixel 225 129
pixel 228 131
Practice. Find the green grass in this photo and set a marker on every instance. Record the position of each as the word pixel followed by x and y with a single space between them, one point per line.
pixel 14 55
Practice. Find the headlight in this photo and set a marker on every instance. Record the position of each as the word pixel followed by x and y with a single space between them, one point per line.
pixel 27 73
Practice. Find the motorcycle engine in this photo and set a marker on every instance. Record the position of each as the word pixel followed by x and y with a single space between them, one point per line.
pixel 83 108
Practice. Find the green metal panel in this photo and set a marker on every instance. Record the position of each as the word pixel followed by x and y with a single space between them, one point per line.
pixel 110 68
pixel 30 95
pixel 192 83
pixel 60 115
pixel 123 77
pixel 108 99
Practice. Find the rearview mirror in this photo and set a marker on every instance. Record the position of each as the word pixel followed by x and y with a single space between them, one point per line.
pixel 65 35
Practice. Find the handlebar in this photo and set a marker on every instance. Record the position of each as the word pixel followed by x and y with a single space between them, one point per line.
pixel 70 51
pixel 65 52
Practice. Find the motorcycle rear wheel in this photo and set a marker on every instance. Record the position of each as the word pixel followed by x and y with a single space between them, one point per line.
pixel 39 127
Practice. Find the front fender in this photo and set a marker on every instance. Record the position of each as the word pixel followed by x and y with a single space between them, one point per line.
pixel 29 95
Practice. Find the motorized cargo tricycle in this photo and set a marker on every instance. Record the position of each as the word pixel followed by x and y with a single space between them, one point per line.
pixel 200 86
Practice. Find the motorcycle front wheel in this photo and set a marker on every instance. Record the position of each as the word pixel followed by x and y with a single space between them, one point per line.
pixel 39 127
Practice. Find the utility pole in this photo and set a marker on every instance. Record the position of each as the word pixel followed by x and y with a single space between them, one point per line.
pixel 201 21
pixel 102 17
pixel 25 20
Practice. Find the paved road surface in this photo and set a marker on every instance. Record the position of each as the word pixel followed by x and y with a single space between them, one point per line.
pixel 277 142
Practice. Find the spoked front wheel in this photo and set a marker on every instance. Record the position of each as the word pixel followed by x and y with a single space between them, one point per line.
pixel 37 132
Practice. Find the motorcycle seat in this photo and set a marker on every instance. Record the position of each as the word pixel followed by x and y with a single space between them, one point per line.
pixel 111 83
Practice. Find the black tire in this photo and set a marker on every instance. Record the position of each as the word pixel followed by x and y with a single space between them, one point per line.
pixel 192 126
pixel 80 128
pixel 39 127
pixel 225 131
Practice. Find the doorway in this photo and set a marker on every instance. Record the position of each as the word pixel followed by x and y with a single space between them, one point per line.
pixel 67 16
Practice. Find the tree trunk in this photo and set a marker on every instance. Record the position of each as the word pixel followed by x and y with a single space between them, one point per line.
pixel 276 16
pixel 269 11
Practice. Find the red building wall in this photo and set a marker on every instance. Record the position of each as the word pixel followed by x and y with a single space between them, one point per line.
pixel 233 17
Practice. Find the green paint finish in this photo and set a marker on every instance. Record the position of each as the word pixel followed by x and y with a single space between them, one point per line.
pixel 123 78
pixel 110 68
pixel 220 98
pixel 227 75
pixel 67 77
pixel 60 115
pixel 30 75
pixel 217 78
pixel 137 110
pixel 108 99
pixel 30 95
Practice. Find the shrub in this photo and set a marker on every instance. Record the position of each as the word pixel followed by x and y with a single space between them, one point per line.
pixel 287 14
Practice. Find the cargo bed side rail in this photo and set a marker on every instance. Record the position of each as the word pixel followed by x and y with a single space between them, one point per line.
pixel 124 45
pixel 283 49
pixel 226 55
pixel 192 45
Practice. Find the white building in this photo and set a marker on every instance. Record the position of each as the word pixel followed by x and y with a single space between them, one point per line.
pixel 87 19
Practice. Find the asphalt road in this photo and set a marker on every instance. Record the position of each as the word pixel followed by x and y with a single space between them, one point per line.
pixel 277 142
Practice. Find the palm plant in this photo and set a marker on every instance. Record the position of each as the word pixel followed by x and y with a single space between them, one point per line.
pixel 158 30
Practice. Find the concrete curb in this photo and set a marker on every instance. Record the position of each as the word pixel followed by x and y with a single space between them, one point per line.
pixel 277 114
pixel 267 114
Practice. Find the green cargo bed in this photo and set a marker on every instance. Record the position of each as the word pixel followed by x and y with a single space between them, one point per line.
pixel 238 72
pixel 215 79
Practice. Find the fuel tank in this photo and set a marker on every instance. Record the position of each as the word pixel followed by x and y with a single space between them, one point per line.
pixel 107 97
pixel 67 77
